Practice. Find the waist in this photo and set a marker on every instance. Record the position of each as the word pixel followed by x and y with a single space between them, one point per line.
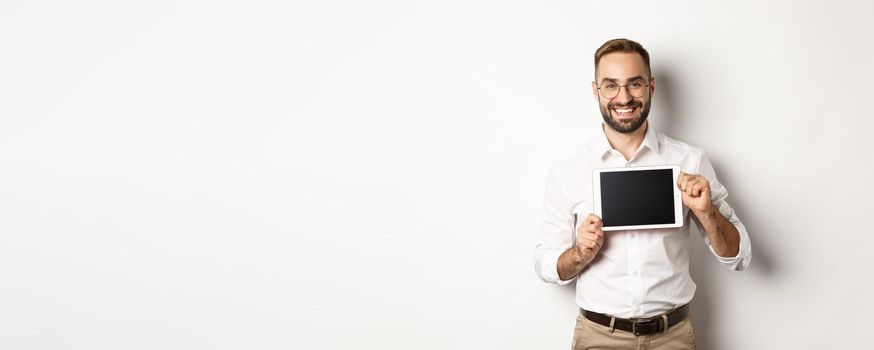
pixel 639 326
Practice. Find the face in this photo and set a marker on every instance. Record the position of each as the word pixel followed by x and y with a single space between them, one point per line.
pixel 624 113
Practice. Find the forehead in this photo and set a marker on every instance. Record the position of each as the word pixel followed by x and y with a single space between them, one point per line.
pixel 621 66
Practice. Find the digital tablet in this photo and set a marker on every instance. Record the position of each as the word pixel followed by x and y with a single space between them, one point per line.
pixel 633 198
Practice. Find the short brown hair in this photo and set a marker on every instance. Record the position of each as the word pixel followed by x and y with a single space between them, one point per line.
pixel 621 45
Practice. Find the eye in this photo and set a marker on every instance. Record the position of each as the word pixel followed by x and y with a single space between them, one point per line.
pixel 636 84
pixel 609 86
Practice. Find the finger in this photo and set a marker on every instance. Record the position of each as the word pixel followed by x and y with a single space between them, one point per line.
pixel 583 232
pixel 699 188
pixel 691 189
pixel 599 239
pixel 599 243
pixel 702 184
pixel 590 236
pixel 585 226
pixel 592 231
pixel 692 183
pixel 596 238
pixel 684 181
pixel 593 239
pixel 592 219
pixel 688 187
pixel 591 227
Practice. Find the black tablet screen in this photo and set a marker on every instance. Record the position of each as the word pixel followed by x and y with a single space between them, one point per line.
pixel 642 197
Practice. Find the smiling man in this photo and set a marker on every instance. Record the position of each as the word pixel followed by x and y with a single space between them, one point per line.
pixel 633 287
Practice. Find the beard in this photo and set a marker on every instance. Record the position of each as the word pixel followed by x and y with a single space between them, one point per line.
pixel 634 124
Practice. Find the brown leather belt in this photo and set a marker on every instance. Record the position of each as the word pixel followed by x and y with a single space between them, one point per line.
pixel 639 327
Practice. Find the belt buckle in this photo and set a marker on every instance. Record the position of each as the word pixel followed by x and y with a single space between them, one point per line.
pixel 634 328
pixel 638 331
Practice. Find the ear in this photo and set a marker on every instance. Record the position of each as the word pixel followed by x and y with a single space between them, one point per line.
pixel 651 86
pixel 595 90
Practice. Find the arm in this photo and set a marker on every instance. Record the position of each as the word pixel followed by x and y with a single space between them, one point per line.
pixel 590 238
pixel 724 233
pixel 723 236
pixel 556 258
pixel 570 263
pixel 555 234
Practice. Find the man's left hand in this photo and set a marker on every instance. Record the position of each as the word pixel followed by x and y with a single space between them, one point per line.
pixel 696 192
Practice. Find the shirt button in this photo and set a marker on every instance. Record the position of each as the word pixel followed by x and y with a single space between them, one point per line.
pixel 633 235
pixel 634 273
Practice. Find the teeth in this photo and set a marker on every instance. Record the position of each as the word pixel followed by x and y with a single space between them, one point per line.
pixel 624 110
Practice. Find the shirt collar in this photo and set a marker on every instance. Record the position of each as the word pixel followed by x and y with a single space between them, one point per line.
pixel 650 140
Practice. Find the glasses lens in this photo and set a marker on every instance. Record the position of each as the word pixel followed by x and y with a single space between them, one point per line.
pixel 609 90
pixel 636 88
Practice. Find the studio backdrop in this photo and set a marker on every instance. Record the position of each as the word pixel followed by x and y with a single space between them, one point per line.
pixel 370 174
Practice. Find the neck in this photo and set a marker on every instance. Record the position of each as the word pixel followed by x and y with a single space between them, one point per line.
pixel 626 144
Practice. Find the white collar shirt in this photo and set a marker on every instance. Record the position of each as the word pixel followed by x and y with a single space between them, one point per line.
pixel 638 273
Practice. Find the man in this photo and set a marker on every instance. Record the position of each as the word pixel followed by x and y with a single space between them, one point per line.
pixel 633 287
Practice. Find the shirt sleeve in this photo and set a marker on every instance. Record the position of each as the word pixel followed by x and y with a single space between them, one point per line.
pixel 718 196
pixel 556 230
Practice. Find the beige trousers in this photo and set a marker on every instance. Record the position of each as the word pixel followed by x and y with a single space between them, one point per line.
pixel 589 335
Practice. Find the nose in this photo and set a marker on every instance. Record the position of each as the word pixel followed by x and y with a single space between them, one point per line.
pixel 624 95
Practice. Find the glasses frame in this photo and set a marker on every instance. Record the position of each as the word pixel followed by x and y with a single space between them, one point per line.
pixel 646 87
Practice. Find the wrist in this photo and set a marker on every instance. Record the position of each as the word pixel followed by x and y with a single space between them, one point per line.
pixel 706 214
pixel 577 255
pixel 580 257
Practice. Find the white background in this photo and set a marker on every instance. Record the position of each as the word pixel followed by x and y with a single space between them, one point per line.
pixel 351 174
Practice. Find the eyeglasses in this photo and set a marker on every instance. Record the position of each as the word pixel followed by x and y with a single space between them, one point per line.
pixel 637 88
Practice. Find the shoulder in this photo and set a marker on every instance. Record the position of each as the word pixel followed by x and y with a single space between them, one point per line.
pixel 675 146
pixel 574 160
pixel 691 158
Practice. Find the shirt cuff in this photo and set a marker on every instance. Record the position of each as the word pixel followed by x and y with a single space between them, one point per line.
pixel 549 266
pixel 737 262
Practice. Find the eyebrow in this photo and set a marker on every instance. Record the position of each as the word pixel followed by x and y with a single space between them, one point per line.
pixel 612 80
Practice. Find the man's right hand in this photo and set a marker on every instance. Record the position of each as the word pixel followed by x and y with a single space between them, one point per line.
pixel 590 238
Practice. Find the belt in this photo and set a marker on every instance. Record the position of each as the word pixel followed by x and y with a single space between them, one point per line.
pixel 639 327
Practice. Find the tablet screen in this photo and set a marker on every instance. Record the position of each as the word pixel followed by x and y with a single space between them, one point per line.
pixel 642 197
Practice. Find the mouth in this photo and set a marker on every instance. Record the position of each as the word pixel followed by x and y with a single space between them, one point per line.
pixel 625 113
